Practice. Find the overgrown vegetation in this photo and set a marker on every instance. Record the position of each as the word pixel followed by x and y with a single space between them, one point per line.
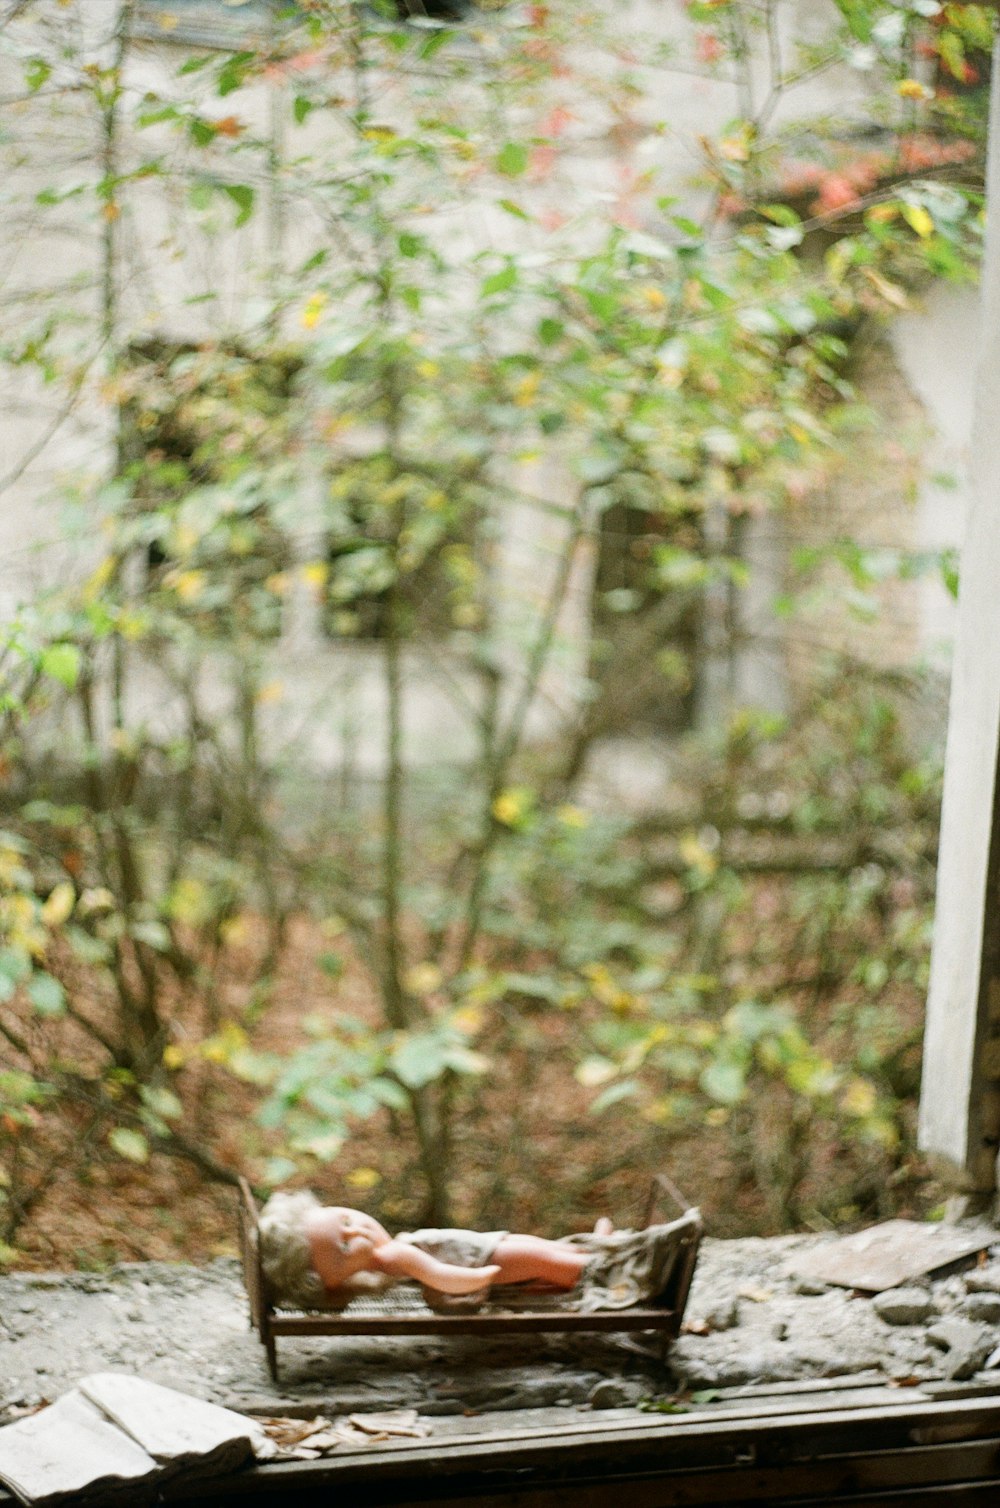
pixel 394 460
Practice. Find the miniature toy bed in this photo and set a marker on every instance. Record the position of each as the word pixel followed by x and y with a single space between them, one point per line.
pixel 402 1311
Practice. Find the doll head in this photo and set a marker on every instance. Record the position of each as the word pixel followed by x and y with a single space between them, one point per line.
pixel 343 1242
pixel 286 1251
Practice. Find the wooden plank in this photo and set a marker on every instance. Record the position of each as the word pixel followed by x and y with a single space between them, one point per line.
pixel 960 1094
pixel 490 1323
pixel 914 1452
pixel 682 1448
pixel 655 1486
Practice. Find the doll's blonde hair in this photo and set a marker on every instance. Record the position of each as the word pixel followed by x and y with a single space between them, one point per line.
pixel 285 1253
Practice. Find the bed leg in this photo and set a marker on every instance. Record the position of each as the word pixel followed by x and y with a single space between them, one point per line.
pixel 272 1355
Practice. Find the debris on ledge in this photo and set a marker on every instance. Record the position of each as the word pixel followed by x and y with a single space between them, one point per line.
pixel 759 1314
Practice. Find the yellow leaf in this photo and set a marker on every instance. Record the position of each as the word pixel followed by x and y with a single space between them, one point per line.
pixel 717 1116
pixel 99 898
pixel 427 368
pixel 313 309
pixel 468 1019
pixel 696 855
pixel 234 930
pixel 188 585
pixel 734 149
pixel 173 1056
pixel 573 816
pixel 859 1098
pixel 524 393
pixel 168 23
pixel 99 579
pixel 184 539
pixel 918 219
pixel 363 1178
pixel 595 1071
pixel 508 807
pixel 59 904
pixel 422 979
pixel 316 574
pixel 655 297
pixel 271 691
pixel 913 89
pixel 891 292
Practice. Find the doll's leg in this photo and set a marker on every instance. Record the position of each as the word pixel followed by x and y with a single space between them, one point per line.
pixel 533 1259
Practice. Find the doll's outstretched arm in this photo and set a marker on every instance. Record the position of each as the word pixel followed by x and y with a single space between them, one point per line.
pixel 400 1260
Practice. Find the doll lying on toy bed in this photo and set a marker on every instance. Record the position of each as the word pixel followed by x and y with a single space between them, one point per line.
pixel 319 1258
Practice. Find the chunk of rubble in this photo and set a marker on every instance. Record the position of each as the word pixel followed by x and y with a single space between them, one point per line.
pixel 968 1346
pixel 984 1279
pixel 890 1255
pixel 984 1307
pixel 903 1306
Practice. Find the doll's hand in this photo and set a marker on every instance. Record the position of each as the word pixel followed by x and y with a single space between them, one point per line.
pixel 400 1260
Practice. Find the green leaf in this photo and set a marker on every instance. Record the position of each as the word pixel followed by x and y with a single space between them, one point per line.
pixel 409 244
pixel 613 1095
pixel 499 282
pixel 131 1145
pixel 153 933
pixel 434 43
pixel 15 965
pixel 47 995
pixel 163 1102
pixel 62 663
pixel 243 197
pixel 724 1082
pixel 202 132
pixel 859 16
pixel 419 1059
pixel 952 54
pixel 550 330
pixel 389 1093
pixel 37 73
pixel 279 1170
pixel 301 106
pixel 234 71
pixel 513 208
pixel 512 159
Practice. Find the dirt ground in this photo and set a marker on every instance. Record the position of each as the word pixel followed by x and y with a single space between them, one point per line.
pixel 530 1154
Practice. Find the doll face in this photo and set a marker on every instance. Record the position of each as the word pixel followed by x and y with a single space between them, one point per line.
pixel 343 1242
pixel 352 1232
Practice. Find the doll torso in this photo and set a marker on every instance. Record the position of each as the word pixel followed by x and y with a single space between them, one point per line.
pixel 462 1248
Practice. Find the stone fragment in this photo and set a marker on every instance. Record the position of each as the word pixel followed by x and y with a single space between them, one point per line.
pixel 724 1315
pixel 812 1287
pixel 903 1306
pixel 984 1279
pixel 617 1393
pixel 952 1334
pixel 984 1307
pixel 967 1345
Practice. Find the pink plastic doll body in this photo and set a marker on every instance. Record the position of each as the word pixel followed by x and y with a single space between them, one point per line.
pixel 345 1243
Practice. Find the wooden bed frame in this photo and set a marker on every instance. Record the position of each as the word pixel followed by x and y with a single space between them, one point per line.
pixel 402 1311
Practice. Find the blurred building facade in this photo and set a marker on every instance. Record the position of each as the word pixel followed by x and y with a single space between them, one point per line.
pixel 901 489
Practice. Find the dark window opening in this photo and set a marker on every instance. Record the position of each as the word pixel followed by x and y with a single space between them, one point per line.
pixel 204 445
pixel 642 618
pixel 408 537
pixel 433 10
